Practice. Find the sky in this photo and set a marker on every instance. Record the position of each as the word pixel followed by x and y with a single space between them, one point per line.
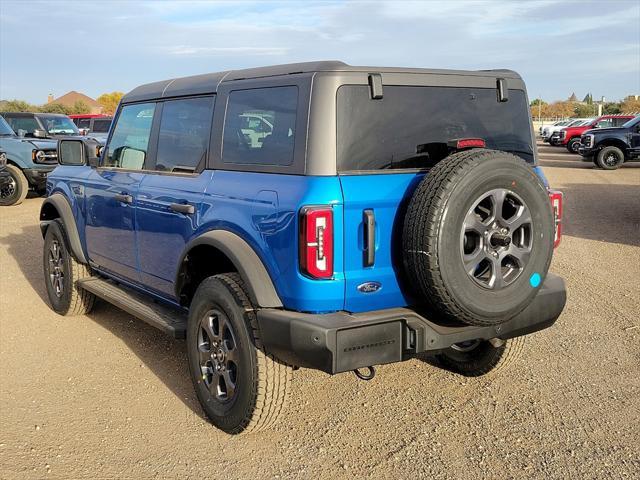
pixel 558 47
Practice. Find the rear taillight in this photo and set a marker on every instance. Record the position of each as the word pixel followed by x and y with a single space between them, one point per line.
pixel 555 196
pixel 462 143
pixel 316 241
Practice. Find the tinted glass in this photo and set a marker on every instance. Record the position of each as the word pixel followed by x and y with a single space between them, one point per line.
pixel 618 122
pixel 101 126
pixel 5 129
pixel 184 134
pixel 28 124
pixel 82 122
pixel 632 122
pixel 56 125
pixel 260 126
pixel 130 139
pixel 606 123
pixel 410 127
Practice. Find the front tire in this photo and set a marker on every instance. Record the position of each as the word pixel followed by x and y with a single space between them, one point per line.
pixel 573 146
pixel 481 357
pixel 15 190
pixel 61 273
pixel 240 387
pixel 610 158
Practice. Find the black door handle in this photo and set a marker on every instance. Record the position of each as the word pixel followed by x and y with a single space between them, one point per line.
pixel 123 197
pixel 183 208
pixel 369 221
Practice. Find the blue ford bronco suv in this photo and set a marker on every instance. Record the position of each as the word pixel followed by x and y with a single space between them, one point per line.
pixel 312 215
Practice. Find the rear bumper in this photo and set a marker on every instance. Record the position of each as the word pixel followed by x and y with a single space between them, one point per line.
pixel 339 342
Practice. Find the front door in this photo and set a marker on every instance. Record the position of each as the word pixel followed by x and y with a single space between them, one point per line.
pixel 112 190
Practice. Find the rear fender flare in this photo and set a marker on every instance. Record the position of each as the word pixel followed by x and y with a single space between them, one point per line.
pixel 61 205
pixel 258 282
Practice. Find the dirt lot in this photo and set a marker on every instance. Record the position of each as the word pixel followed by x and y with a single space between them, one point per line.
pixel 106 396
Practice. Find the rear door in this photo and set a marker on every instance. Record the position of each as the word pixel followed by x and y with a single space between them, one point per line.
pixel 384 148
pixel 170 195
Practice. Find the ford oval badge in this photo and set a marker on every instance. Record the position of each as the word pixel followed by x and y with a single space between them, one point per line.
pixel 369 287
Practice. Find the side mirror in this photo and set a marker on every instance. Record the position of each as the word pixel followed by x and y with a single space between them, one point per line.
pixel 38 133
pixel 77 152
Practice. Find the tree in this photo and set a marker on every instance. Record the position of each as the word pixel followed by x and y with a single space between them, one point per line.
pixel 109 101
pixel 538 101
pixel 631 104
pixel 18 106
pixel 54 108
pixel 80 107
pixel 584 110
pixel 611 108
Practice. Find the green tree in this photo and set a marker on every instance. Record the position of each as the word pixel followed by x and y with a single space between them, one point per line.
pixel 538 101
pixel 55 108
pixel 611 108
pixel 80 107
pixel 109 102
pixel 585 110
pixel 18 106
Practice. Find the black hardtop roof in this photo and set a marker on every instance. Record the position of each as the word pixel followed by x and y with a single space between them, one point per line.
pixel 29 114
pixel 209 82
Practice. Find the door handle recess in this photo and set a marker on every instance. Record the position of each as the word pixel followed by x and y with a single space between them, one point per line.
pixel 369 221
pixel 185 208
pixel 123 197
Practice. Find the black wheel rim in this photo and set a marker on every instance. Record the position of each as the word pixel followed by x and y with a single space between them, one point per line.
pixel 56 268
pixel 218 355
pixel 611 159
pixel 496 239
pixel 467 346
pixel 8 188
pixel 575 146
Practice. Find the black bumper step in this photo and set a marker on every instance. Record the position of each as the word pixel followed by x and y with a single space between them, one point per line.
pixel 167 319
pixel 339 342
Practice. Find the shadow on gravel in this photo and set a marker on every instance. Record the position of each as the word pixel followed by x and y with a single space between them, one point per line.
pixel 163 356
pixel 604 212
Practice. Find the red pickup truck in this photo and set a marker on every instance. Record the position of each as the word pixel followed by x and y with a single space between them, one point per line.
pixel 570 137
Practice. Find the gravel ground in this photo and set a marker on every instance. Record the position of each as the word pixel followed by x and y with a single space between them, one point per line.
pixel 106 396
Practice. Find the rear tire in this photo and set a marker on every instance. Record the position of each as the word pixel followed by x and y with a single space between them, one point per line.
pixel 482 358
pixel 15 191
pixel 610 158
pixel 240 387
pixel 478 237
pixel 62 272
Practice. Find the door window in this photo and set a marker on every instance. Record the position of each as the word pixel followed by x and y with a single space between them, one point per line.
pixel 130 139
pixel 260 126
pixel 185 128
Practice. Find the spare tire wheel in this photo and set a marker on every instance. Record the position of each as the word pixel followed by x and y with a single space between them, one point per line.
pixel 478 237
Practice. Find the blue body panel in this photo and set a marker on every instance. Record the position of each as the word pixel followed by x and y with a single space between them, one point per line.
pixel 142 243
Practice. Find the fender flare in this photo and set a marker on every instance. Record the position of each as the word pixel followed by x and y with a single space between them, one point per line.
pixel 62 206
pixel 258 282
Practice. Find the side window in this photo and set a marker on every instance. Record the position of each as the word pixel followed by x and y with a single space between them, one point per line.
pixel 606 123
pixel 130 139
pixel 29 124
pixel 101 126
pixel 618 122
pixel 260 125
pixel 185 128
pixel 82 122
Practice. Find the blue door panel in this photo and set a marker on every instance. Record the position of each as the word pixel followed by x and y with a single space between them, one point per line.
pixel 386 195
pixel 162 233
pixel 110 224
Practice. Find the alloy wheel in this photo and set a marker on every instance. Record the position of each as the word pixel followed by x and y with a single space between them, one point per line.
pixel 56 268
pixel 496 239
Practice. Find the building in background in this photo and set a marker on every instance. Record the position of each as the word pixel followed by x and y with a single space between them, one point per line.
pixel 71 98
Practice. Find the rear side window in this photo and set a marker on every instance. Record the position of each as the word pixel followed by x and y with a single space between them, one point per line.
pixel 618 122
pixel 185 128
pixel 410 127
pixel 130 140
pixel 259 127
pixel 82 122
pixel 101 126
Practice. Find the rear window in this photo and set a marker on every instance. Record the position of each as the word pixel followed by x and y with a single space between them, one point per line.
pixel 101 126
pixel 259 128
pixel 410 127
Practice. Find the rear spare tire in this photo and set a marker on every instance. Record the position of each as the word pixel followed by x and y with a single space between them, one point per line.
pixel 478 237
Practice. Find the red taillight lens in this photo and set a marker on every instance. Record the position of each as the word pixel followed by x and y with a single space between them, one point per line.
pixel 555 196
pixel 316 242
pixel 471 143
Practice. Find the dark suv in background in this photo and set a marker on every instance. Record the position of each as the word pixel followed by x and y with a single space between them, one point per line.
pixel 40 125
pixel 609 148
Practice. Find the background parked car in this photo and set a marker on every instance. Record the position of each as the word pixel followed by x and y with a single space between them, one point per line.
pixel 93 125
pixel 570 136
pixel 545 128
pixel 554 139
pixel 548 131
pixel 609 148
pixel 29 161
pixel 41 125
